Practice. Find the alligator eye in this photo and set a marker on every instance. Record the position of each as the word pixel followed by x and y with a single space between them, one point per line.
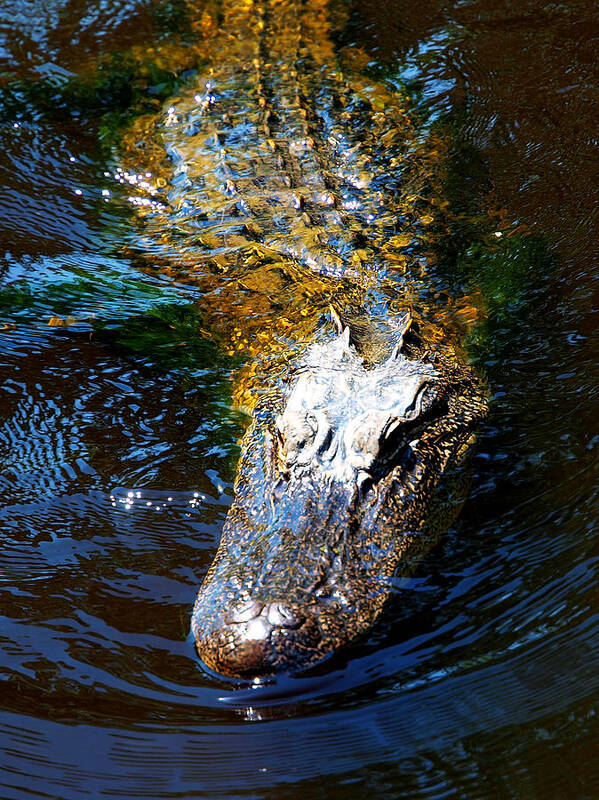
pixel 376 440
pixel 296 433
pixel 394 437
pixel 366 439
pixel 363 441
pixel 390 427
pixel 424 400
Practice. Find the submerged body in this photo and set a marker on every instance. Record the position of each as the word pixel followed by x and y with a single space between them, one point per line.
pixel 297 181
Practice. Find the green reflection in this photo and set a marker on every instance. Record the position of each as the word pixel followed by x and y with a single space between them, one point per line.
pixel 169 337
pixel 121 84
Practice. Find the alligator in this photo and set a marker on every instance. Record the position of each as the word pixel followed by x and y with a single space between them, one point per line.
pixel 295 193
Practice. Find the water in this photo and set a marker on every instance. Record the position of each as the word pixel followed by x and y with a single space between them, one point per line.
pixel 118 454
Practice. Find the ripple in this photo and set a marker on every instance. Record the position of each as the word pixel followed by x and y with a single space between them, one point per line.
pixel 398 730
pixel 482 679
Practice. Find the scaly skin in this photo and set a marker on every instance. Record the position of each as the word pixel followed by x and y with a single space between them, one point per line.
pixel 293 182
pixel 336 485
pixel 275 146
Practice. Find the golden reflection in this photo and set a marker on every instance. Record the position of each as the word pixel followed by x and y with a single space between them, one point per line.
pixel 60 322
pixel 284 181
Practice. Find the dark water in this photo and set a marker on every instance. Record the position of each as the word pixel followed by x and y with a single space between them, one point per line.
pixel 117 461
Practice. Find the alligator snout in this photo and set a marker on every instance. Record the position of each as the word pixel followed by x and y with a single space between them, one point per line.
pixel 259 638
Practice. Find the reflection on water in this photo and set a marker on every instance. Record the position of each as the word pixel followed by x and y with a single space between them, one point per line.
pixel 118 449
pixel 520 79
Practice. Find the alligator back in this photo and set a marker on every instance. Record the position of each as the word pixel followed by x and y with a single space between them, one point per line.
pixel 283 179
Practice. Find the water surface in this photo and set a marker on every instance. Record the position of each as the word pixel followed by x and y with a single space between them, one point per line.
pixel 118 447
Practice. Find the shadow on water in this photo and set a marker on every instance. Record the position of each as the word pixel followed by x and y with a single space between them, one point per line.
pixel 118 443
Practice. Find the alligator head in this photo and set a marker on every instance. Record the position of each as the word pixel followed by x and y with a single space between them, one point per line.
pixel 333 492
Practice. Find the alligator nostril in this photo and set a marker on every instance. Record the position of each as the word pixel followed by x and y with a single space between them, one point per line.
pixel 283 616
pixel 244 612
pixel 258 629
pixel 258 638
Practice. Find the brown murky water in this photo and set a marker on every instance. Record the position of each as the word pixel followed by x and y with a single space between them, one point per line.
pixel 117 454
